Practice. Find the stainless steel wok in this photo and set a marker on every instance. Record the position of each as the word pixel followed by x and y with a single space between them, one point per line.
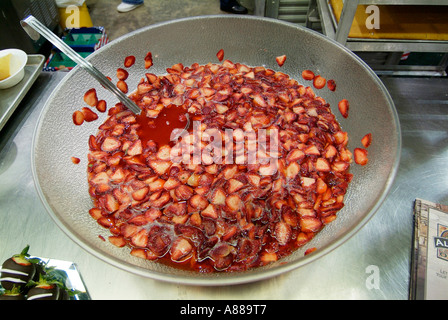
pixel 254 41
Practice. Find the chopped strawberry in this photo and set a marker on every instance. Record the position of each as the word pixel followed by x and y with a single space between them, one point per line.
pixel 331 84
pixel 310 250
pixel 282 233
pixel 307 75
pixel 90 97
pixel 78 118
pixel 75 160
pixel 319 82
pixel 135 148
pixel 181 250
pixel 322 165
pixel 218 197
pixel 259 101
pixel 220 55
pixel 140 239
pixel 343 107
pixel 321 187
pixel 140 194
pixel 234 185
pixel 110 144
pixel 280 60
pixel 148 60
pixel 89 115
pixel 360 156
pixel 117 241
pixel 122 74
pixel 96 213
pixel 101 106
pixel 199 202
pixel 160 166
pixel 129 61
pixel 123 86
pixel 210 211
pixel 292 170
pixel 367 140
pixel 233 202
pixel 310 224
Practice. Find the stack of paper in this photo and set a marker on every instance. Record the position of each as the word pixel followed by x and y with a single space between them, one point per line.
pixel 429 265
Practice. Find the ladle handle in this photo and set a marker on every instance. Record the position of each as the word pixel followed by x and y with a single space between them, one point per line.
pixel 34 28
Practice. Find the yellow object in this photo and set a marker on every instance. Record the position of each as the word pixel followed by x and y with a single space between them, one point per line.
pixel 5 62
pixel 75 17
pixel 399 22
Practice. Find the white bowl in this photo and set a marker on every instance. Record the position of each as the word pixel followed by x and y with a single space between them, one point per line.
pixel 17 67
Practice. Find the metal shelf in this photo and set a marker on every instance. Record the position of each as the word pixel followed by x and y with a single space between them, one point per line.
pixel 394 47
pixel 339 32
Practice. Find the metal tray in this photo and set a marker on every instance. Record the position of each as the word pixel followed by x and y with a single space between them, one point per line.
pixel 10 98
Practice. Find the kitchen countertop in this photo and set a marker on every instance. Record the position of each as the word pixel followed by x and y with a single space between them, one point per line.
pixel 381 248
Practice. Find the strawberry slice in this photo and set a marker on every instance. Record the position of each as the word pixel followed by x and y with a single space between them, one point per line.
pixel 183 192
pixel 123 86
pixel 310 250
pixel 75 160
pixel 322 165
pixel 89 115
pixel 199 202
pixel 90 97
pixel 101 106
pixel 234 185
pixel 122 74
pixel 210 211
pixel 117 241
pixel 78 118
pixel 343 107
pixel 140 239
pixel 367 140
pixel 310 224
pixel 282 233
pixel 360 156
pixel 129 61
pixel 181 250
pixel 331 84
pixel 319 82
pixel 140 194
pixel 151 77
pixel 307 75
pixel 148 60
pixel 281 60
pixel 110 144
pixel 220 55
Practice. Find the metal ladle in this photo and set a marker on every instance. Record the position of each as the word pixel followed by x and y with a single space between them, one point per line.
pixel 35 28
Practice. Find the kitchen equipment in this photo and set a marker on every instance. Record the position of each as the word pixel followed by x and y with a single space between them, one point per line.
pixel 34 28
pixel 10 99
pixel 254 41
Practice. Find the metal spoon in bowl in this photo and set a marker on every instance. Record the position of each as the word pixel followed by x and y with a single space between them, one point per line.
pixel 34 28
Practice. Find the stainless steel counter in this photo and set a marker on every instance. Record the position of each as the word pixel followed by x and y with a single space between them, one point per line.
pixel 374 264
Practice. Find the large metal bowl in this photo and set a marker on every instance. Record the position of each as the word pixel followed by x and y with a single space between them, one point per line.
pixel 254 41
